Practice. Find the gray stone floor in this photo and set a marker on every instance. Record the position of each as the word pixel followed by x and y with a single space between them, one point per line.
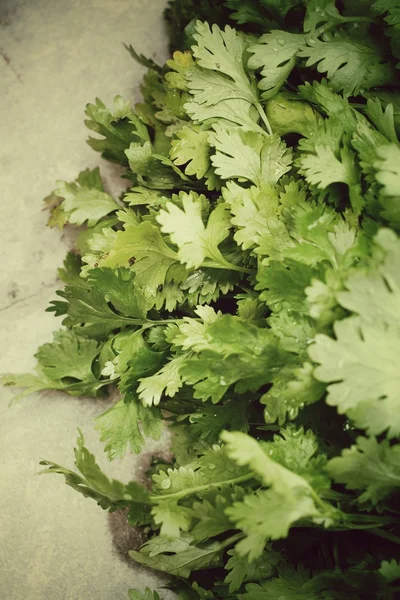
pixel 55 56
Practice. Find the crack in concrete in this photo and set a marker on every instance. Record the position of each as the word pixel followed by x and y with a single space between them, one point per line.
pixel 7 60
pixel 20 300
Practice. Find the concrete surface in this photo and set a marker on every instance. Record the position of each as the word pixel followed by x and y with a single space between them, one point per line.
pixel 55 56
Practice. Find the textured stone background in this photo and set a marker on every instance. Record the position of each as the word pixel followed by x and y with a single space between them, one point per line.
pixel 55 56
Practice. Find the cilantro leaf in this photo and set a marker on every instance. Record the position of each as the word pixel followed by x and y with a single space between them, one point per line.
pixel 211 517
pixel 172 519
pixel 323 168
pixel 359 366
pixel 382 118
pixel 320 14
pixel 388 171
pixel 65 364
pixel 351 64
pixel 192 149
pixel 182 562
pixel 243 571
pixel 249 155
pixel 221 71
pixel 390 570
pixel 391 12
pixel 119 427
pixel 275 54
pixel 30 383
pixel 267 515
pixel 93 483
pixel 68 356
pixel 222 50
pixel 359 363
pixel 167 380
pixel 245 450
pixel 196 242
pixel 88 311
pixel 119 127
pixel 180 64
pixel 82 201
pixel 155 262
pixel 118 287
pixel 237 353
pixel 369 466
pixel 248 11
pixel 252 208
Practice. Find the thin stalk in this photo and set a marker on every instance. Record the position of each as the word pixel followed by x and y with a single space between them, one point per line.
pixel 386 535
pixel 264 118
pixel 231 540
pixel 155 498
pixel 329 26
pixel 168 321
pixel 225 265
pixel 372 519
pixel 327 508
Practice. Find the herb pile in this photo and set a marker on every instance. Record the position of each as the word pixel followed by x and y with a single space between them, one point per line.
pixel 246 289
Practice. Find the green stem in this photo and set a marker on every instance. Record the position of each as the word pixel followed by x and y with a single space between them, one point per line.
pixel 371 519
pixel 356 20
pixel 157 498
pixel 231 540
pixel 327 508
pixel 264 118
pixel 328 26
pixel 145 324
pixel 386 535
pixel 225 265
pixel 168 321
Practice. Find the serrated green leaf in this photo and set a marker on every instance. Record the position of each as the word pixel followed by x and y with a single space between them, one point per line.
pixel 249 155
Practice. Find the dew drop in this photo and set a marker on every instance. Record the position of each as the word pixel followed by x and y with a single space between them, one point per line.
pixel 222 381
pixel 281 42
pixel 166 484
pixel 276 49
